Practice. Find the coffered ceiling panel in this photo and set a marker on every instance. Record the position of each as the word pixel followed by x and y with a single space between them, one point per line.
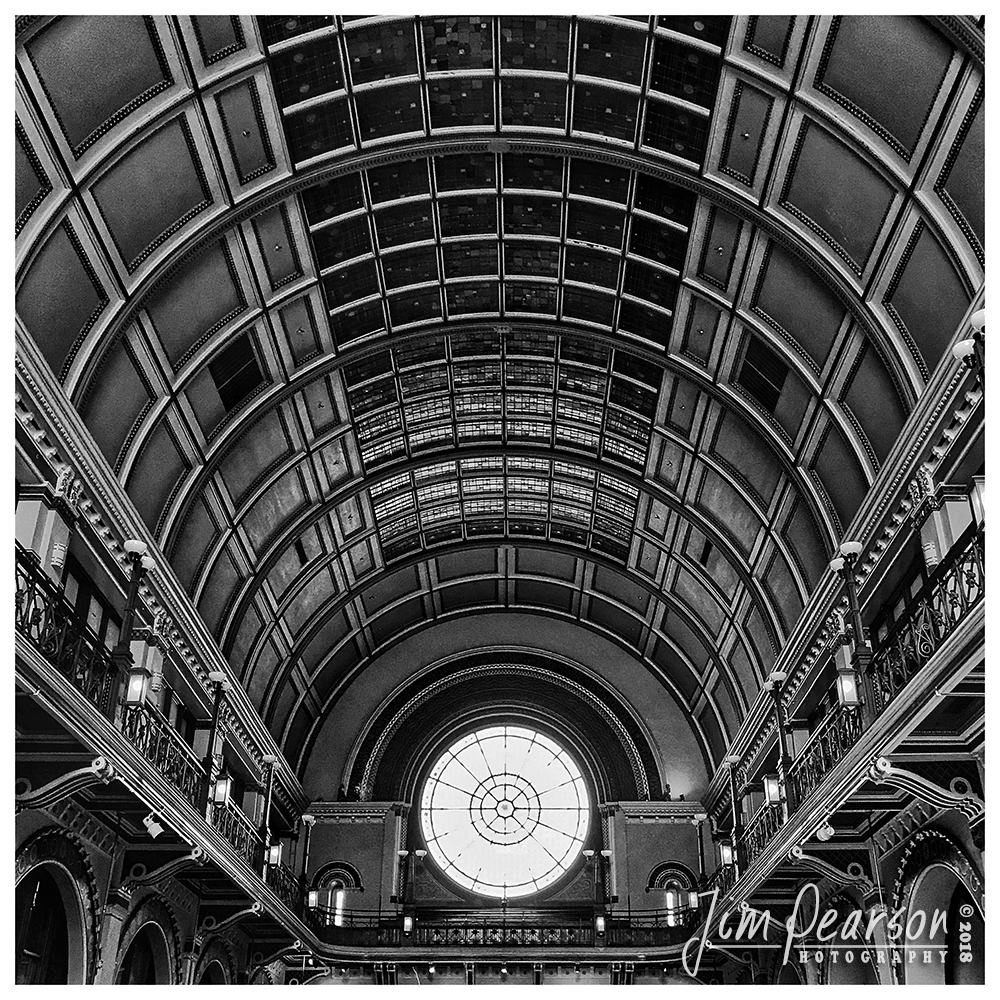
pixel 385 322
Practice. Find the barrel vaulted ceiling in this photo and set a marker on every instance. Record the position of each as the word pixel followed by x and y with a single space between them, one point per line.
pixel 381 321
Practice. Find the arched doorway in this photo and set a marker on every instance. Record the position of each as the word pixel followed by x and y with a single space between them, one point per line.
pixel 145 960
pixel 42 929
pixel 943 924
pixel 850 960
pixel 214 975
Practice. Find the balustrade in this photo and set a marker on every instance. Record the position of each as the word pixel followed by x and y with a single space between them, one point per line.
pixel 957 585
pixel 827 746
pixel 284 885
pixel 48 620
pixel 760 830
pixel 163 747
pixel 236 827
pixel 370 929
pixel 723 879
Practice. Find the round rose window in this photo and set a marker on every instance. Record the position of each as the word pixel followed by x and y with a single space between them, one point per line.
pixel 505 811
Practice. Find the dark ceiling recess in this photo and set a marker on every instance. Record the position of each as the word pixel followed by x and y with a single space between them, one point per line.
pixel 236 372
pixel 763 374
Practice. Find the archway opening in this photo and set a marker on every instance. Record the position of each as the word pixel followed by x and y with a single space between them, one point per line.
pixel 42 930
pixel 145 962
pixel 945 932
pixel 213 975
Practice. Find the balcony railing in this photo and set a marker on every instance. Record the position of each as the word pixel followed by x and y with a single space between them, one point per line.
pixel 723 879
pixel 827 747
pixel 957 585
pixel 760 830
pixel 48 620
pixel 284 885
pixel 236 827
pixel 163 747
pixel 367 929
pixel 955 588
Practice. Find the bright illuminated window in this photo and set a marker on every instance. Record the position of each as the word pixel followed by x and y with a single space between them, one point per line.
pixel 505 811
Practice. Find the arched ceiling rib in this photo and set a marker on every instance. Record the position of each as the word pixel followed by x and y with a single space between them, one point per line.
pixel 339 298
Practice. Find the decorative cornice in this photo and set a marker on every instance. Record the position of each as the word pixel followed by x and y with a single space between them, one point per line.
pixel 691 812
pixel 355 812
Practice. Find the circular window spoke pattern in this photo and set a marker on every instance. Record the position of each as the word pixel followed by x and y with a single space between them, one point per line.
pixel 505 811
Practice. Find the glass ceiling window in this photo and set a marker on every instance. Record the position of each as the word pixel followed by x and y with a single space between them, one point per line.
pixel 505 812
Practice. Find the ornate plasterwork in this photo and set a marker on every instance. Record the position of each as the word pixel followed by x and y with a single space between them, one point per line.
pixel 82 824
pixel 934 847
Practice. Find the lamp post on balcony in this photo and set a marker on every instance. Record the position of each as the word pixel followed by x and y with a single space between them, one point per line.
pixel 218 680
pixel 137 674
pixel 778 793
pixel 732 761
pixel 308 822
pixel 270 760
pixel 844 566
pixel 849 674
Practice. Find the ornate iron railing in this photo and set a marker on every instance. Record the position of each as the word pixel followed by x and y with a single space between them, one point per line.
pixel 723 879
pixel 284 885
pixel 236 827
pixel 827 746
pixel 957 585
pixel 759 831
pixel 370 929
pixel 44 616
pixel 163 747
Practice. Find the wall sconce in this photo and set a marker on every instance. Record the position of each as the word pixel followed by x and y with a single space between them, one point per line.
pixel 137 686
pixel 772 790
pixel 694 901
pixel 153 828
pixel 408 924
pixel 600 924
pixel 431 970
pixel 726 852
pixel 848 693
pixel 312 900
pixel 274 853
pixel 420 855
pixel 220 790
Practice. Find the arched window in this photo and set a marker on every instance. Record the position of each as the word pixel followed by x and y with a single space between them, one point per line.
pixel 332 884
